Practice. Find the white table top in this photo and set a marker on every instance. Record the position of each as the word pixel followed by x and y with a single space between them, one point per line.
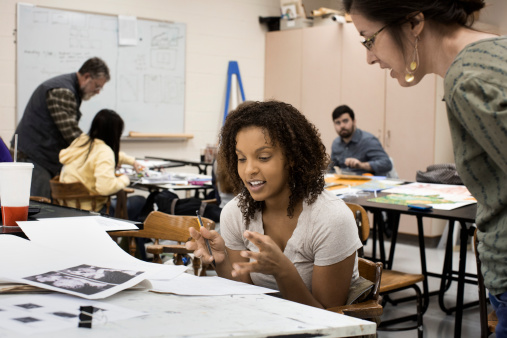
pixel 215 316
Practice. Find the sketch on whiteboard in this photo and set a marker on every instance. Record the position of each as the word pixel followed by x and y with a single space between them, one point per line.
pixel 129 88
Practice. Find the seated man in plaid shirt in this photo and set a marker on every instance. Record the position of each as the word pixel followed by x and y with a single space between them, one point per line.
pixel 50 120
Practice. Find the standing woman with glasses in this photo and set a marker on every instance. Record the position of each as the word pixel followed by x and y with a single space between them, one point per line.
pixel 413 38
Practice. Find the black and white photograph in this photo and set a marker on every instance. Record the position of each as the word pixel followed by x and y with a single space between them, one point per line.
pixel 106 275
pixel 85 279
pixel 64 281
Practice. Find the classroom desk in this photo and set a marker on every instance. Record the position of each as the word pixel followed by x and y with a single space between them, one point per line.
pixel 202 166
pixel 48 210
pixel 177 187
pixel 462 215
pixel 216 316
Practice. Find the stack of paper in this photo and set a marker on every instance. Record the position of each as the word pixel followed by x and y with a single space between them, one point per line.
pixel 76 256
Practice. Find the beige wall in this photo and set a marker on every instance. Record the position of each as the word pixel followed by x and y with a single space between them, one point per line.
pixel 217 31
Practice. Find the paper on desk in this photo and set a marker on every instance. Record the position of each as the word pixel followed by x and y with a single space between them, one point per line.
pixel 108 223
pixel 190 285
pixel 82 236
pixel 27 262
pixel 29 314
pixel 155 177
pixel 439 196
pixel 430 189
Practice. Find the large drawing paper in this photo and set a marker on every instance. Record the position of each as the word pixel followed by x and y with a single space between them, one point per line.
pixel 190 285
pixel 113 224
pixel 82 236
pixel 29 314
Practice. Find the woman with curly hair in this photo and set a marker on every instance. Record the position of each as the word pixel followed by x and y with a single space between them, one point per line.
pixel 283 230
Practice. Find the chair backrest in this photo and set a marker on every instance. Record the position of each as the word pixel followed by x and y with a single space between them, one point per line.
pixel 371 271
pixel 159 225
pixel 40 199
pixel 362 220
pixel 62 193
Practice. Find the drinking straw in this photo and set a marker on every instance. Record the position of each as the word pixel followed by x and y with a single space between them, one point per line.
pixel 15 147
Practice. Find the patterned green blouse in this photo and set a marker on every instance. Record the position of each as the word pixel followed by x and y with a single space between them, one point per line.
pixel 476 98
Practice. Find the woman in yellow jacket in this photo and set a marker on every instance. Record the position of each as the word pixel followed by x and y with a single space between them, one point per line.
pixel 92 159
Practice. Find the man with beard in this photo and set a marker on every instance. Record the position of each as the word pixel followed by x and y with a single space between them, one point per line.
pixel 50 121
pixel 356 150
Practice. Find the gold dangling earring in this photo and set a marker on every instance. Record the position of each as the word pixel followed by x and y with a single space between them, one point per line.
pixel 412 67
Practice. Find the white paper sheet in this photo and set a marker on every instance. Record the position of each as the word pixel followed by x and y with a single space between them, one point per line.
pixel 127 30
pixel 83 237
pixel 29 314
pixel 190 285
pixel 108 223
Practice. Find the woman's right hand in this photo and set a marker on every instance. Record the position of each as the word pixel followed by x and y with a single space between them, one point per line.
pixel 200 248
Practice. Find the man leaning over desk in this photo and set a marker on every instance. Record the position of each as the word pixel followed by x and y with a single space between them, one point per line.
pixel 50 120
pixel 356 150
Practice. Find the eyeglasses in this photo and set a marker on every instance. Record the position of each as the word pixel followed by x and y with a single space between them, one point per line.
pixel 98 83
pixel 369 42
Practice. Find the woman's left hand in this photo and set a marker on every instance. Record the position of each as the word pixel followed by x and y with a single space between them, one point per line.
pixel 270 259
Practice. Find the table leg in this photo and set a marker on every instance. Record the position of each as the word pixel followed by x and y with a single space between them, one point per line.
pixel 380 222
pixel 374 238
pixel 394 223
pixel 461 279
pixel 424 272
pixel 446 278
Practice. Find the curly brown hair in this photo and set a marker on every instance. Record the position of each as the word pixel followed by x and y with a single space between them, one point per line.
pixel 300 143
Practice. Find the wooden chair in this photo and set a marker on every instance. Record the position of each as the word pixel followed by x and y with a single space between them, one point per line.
pixel 162 226
pixel 488 321
pixel 40 199
pixel 62 193
pixel 392 281
pixel 369 309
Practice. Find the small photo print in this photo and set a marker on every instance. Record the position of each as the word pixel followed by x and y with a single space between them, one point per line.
pixel 62 281
pixel 27 320
pixel 64 314
pixel 289 11
pixel 29 306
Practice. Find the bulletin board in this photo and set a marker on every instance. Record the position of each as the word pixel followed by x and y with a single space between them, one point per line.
pixel 147 86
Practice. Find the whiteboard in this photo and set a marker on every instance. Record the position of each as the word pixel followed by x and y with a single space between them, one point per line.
pixel 147 80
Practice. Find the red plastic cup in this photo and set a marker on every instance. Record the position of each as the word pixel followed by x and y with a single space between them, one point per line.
pixel 15 181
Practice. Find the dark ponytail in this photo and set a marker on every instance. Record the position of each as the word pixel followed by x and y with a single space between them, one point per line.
pixel 107 126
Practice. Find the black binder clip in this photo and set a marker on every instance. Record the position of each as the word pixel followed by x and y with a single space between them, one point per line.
pixel 85 316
